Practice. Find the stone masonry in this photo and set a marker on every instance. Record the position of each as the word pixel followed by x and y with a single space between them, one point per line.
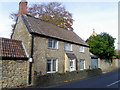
pixel 41 52
pixel 14 73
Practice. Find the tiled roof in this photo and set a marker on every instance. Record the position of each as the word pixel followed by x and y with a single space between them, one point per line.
pixel 40 27
pixel 71 55
pixel 11 49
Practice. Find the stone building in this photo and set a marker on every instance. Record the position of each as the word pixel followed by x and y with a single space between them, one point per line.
pixel 13 64
pixel 50 48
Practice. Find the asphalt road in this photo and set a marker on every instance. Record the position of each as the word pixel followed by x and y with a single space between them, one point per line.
pixel 106 80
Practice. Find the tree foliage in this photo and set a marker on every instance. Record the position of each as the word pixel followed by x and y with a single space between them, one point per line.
pixel 52 12
pixel 102 45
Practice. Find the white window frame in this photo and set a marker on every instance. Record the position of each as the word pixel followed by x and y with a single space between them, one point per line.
pixel 81 49
pixel 84 63
pixel 68 44
pixel 53 40
pixel 52 65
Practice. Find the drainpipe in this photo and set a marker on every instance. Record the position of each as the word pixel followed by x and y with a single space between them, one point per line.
pixel 76 64
pixel 31 59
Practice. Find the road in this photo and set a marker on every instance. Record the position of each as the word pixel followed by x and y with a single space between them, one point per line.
pixel 107 80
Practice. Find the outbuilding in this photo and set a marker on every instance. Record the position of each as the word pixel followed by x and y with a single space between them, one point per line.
pixel 13 63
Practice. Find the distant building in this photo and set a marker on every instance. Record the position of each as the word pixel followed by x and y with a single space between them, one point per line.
pixel 94 33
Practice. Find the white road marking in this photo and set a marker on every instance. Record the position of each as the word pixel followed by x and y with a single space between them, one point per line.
pixel 113 83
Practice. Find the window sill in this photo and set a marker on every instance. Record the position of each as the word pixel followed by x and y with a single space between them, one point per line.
pixel 68 51
pixel 53 48
pixel 52 72
pixel 82 52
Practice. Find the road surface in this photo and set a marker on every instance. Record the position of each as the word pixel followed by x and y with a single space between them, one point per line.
pixel 106 80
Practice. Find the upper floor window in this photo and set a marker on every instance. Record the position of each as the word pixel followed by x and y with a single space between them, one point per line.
pixel 81 49
pixel 68 46
pixel 52 43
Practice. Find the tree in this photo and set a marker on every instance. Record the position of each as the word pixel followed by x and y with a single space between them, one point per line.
pixel 102 45
pixel 52 12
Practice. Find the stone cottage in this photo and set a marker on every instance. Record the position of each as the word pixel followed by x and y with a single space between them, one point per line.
pixel 13 63
pixel 50 48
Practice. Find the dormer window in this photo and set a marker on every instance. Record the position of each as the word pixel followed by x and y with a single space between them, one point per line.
pixel 52 44
pixel 68 46
pixel 81 49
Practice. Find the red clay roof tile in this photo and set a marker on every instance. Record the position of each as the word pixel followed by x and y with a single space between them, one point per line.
pixel 11 48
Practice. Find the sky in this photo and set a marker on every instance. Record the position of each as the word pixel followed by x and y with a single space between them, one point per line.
pixel 101 15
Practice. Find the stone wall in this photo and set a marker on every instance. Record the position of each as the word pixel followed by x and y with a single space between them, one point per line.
pixel 21 33
pixel 41 52
pixel 107 66
pixel 0 73
pixel 60 78
pixel 14 73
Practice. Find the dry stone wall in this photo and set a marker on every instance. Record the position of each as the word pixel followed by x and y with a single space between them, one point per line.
pixel 14 73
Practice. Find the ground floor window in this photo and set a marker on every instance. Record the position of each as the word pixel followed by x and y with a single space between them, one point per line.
pixel 52 65
pixel 82 64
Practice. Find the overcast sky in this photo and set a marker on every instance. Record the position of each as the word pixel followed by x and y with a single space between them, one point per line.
pixel 98 14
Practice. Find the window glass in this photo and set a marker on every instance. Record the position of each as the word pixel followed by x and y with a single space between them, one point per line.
pixel 52 43
pixel 51 65
pixel 54 65
pixel 81 48
pixel 68 46
pixel 48 65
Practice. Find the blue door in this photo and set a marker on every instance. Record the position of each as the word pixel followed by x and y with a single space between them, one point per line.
pixel 94 63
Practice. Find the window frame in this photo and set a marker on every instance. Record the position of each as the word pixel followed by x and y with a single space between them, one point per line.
pixel 51 66
pixel 83 49
pixel 66 43
pixel 53 43
pixel 84 64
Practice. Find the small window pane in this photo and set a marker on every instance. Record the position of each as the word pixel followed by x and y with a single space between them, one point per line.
pixel 81 49
pixel 55 44
pixel 71 63
pixel 48 65
pixel 68 47
pixel 54 65
pixel 50 43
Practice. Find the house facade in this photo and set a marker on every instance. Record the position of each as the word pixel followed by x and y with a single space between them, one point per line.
pixel 50 48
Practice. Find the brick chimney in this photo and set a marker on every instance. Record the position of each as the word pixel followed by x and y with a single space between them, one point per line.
pixel 22 7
